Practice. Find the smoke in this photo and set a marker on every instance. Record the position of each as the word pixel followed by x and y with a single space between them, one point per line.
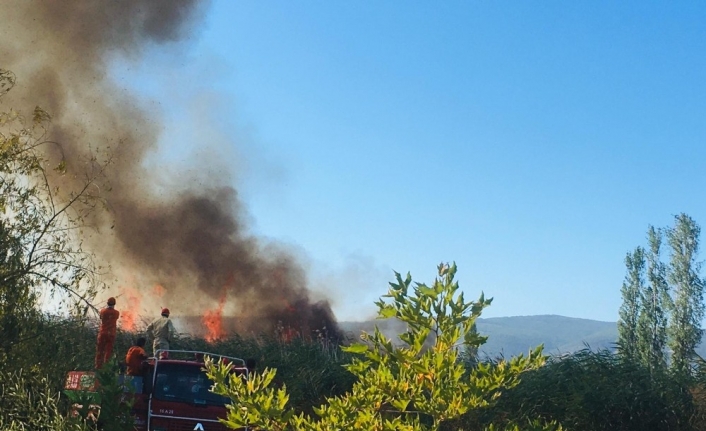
pixel 192 242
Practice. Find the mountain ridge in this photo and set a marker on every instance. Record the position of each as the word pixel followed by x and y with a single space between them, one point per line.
pixel 513 335
pixel 510 336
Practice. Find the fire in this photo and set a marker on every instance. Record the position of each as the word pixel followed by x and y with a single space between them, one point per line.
pixel 131 299
pixel 213 321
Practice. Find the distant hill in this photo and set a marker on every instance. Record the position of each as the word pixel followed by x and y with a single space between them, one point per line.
pixel 559 334
pixel 507 336
pixel 510 336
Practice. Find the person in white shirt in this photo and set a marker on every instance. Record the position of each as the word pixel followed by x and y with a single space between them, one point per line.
pixel 161 330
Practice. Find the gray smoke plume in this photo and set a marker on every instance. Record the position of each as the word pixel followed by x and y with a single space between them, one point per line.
pixel 191 243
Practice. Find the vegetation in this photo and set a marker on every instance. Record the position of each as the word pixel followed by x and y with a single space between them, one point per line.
pixel 591 391
pixel 41 255
pixel 409 387
pixel 433 381
pixel 29 402
pixel 688 287
pixel 632 289
pixel 650 318
pixel 40 248
pixel 655 300
pixel 311 369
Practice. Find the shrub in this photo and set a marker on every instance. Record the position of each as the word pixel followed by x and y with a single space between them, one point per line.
pixel 592 391
pixel 28 402
pixel 413 387
pixel 311 369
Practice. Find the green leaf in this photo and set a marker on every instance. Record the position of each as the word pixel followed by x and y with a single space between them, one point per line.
pixel 355 348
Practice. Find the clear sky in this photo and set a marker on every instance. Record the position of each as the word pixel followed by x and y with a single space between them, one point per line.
pixel 531 142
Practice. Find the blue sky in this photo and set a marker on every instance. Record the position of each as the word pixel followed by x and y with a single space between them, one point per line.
pixel 532 143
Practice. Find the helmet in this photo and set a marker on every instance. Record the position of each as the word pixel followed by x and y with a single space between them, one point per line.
pixel 165 311
pixel 111 301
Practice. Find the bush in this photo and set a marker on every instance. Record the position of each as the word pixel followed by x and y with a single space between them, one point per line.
pixel 412 387
pixel 594 391
pixel 56 345
pixel 28 402
pixel 311 369
pixel 116 404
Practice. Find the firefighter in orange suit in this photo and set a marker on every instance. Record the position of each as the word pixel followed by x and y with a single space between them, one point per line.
pixel 135 356
pixel 106 333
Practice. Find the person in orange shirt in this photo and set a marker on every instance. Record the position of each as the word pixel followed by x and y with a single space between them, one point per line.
pixel 106 333
pixel 135 356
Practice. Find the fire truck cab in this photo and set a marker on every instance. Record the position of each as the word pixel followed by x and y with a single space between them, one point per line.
pixel 173 392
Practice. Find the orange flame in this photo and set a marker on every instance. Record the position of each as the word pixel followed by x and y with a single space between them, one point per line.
pixel 213 321
pixel 131 298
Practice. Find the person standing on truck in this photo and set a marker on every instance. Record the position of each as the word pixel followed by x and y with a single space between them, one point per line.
pixel 162 331
pixel 135 355
pixel 106 333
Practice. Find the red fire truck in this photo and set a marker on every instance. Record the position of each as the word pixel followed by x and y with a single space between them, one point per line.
pixel 172 394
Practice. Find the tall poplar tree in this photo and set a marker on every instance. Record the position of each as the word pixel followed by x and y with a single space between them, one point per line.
pixel 655 301
pixel 688 292
pixel 631 291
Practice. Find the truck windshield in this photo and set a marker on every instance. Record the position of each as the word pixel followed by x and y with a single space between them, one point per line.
pixel 185 383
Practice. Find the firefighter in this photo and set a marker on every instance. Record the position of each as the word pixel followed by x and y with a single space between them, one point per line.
pixel 162 331
pixel 106 333
pixel 135 355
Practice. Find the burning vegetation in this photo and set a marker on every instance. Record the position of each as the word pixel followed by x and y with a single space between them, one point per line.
pixel 187 248
pixel 213 321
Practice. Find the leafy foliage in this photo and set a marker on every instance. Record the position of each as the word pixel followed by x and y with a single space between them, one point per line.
pixel 668 309
pixel 311 369
pixel 40 246
pixel 115 402
pixel 631 291
pixel 652 322
pixel 417 386
pixel 28 402
pixel 592 391
pixel 688 287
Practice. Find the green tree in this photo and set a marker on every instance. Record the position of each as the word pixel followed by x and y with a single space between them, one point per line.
pixel 687 287
pixel 41 253
pixel 408 387
pixel 655 300
pixel 633 285
pixel 17 300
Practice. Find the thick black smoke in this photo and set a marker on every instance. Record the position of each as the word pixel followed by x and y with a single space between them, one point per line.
pixel 193 242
